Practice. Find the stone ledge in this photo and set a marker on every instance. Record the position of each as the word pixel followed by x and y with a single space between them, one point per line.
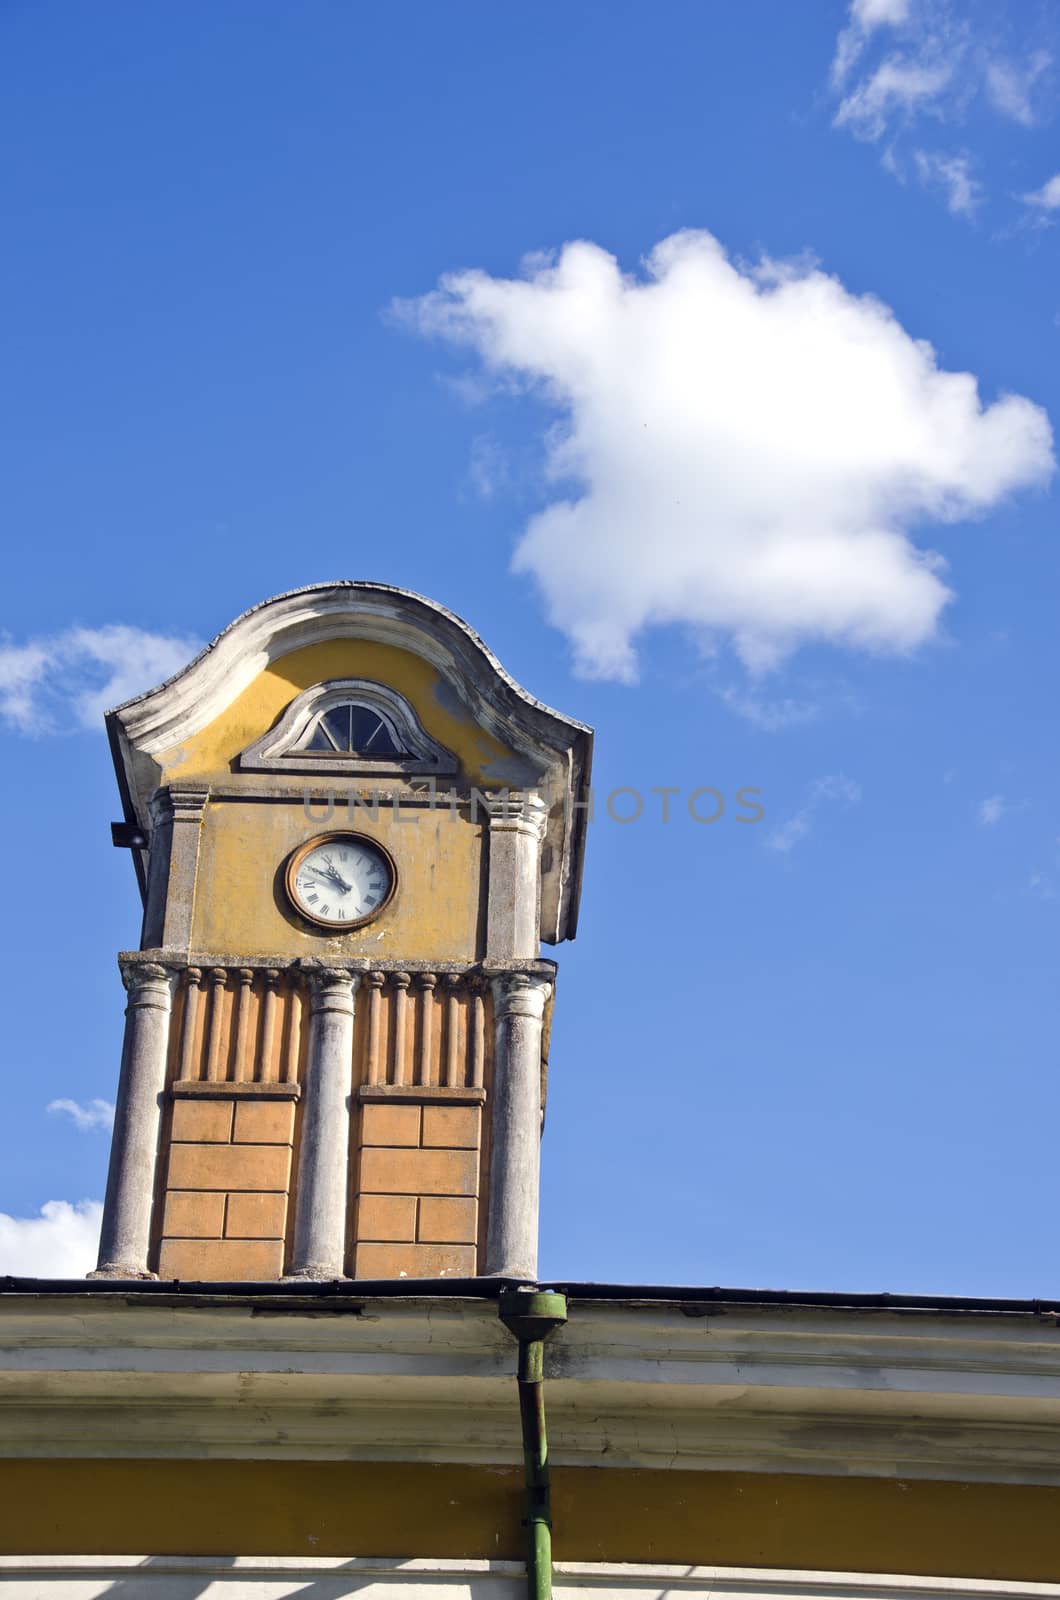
pixel 422 1093
pixel 194 1088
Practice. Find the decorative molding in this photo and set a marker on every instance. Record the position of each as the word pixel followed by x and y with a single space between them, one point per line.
pixel 520 994
pixel 423 1093
pixel 197 1089
pixel 553 752
pixel 298 966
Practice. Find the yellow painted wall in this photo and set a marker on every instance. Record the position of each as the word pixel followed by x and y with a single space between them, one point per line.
pixel 211 754
pixel 372 1508
pixel 240 907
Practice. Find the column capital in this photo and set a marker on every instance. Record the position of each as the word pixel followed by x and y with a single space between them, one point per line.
pixel 148 983
pixel 178 803
pixel 517 812
pixel 331 988
pixel 520 994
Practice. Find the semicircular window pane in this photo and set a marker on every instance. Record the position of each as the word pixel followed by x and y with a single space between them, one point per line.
pixel 352 729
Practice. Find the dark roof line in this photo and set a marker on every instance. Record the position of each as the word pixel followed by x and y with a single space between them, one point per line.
pixel 349 1291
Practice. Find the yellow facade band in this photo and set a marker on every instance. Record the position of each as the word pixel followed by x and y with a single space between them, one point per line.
pixel 368 1508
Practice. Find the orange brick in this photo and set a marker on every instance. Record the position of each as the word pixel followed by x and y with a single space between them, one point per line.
pixel 264 1122
pixel 202 1121
pixel 419 1172
pixel 232 1166
pixel 414 1261
pixel 255 1216
pixel 386 1216
pixel 382 1124
pixel 190 1215
pixel 454 1127
pixel 221 1260
pixel 444 1220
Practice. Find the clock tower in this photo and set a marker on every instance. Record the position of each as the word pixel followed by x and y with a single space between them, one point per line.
pixel 352 830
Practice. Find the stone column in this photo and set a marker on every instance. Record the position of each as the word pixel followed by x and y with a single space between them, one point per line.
pixel 125 1239
pixel 515 1160
pixel 517 827
pixel 320 1201
pixel 176 830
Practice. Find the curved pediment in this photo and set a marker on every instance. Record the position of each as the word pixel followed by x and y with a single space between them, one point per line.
pixel 245 696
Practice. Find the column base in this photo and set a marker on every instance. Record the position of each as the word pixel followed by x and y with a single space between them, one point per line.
pixel 119 1272
pixel 314 1275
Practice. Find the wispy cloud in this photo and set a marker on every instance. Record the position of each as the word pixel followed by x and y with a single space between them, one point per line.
pixel 769 713
pixel 864 18
pixel 67 680
pixel 953 175
pixel 996 807
pixel 96 1114
pixel 899 87
pixel 741 449
pixel 991 810
pixel 1047 198
pixel 1011 85
pixel 59 1243
pixel 488 468
pixel 834 789
pixel 897 66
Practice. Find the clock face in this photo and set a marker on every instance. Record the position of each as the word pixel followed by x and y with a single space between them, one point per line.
pixel 340 880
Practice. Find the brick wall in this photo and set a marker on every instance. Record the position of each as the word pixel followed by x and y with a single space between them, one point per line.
pixel 418 1189
pixel 228 1178
pixel 419 1079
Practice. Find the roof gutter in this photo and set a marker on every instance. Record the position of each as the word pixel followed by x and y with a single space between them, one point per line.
pixel 693 1301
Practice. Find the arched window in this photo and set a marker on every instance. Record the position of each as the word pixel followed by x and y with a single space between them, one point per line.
pixel 349 725
pixel 350 729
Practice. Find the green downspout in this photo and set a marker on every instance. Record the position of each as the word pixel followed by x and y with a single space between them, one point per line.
pixel 531 1316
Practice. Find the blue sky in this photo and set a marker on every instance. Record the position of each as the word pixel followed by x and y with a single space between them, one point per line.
pixel 293 293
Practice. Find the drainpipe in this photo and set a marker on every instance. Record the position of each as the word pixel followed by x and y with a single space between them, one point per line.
pixel 531 1316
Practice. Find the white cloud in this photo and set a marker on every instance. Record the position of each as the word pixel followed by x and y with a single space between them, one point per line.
pixel 953 174
pixel 865 17
pixel 896 65
pixel 1010 86
pixel 488 467
pixel 96 1114
pixel 869 14
pixel 835 789
pixel 1047 198
pixel 69 679
pixel 61 1243
pixel 742 448
pixel 900 85
pixel 991 810
pixel 768 714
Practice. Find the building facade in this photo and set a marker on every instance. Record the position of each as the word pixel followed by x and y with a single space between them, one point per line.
pixel 315 1358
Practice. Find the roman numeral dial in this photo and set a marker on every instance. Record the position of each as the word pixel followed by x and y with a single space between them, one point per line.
pixel 340 880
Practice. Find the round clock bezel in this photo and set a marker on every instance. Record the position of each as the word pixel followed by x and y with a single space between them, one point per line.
pixel 295 859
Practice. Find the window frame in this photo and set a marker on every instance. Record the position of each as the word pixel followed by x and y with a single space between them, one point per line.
pixel 282 748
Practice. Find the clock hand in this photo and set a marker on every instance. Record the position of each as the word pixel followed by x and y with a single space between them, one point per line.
pixel 331 876
pixel 335 875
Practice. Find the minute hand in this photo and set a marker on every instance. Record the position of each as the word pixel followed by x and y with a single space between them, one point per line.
pixel 329 875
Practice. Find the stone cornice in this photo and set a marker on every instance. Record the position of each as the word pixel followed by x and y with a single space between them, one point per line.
pixel 973 1398
pixel 179 961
